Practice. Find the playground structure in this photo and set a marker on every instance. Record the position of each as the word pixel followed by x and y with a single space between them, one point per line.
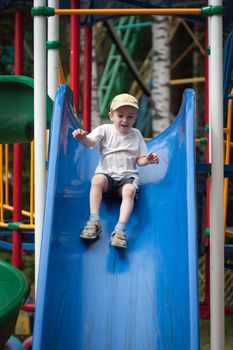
pixel 228 142
pixel 13 293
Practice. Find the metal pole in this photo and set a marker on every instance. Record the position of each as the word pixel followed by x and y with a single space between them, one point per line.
pixel 205 305
pixel 39 126
pixel 53 53
pixel 17 165
pixel 75 54
pixel 87 78
pixel 131 11
pixel 216 196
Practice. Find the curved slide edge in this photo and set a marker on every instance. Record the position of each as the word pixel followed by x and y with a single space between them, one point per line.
pixel 92 296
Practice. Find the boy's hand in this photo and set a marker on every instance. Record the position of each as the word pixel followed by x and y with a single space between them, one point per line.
pixel 79 134
pixel 152 158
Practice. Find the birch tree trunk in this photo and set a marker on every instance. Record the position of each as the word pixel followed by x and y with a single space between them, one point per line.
pixel 160 94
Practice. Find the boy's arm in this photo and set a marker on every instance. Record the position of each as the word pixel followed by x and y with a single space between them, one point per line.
pixel 82 136
pixel 150 158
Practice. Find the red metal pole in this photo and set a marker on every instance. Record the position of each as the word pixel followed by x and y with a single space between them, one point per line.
pixel 18 59
pixel 17 165
pixel 28 307
pixel 87 78
pixel 75 53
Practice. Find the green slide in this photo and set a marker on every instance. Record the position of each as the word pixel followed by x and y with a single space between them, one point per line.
pixel 17 109
pixel 14 290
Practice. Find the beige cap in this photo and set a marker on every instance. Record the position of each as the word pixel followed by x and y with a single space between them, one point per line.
pixel 124 100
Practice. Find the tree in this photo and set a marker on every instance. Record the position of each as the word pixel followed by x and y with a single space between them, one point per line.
pixel 160 94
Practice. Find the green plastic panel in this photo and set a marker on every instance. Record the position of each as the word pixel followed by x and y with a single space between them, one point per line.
pixel 14 290
pixel 114 79
pixel 17 109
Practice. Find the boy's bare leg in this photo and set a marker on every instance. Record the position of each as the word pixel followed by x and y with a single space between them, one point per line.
pixel 99 185
pixel 93 227
pixel 127 204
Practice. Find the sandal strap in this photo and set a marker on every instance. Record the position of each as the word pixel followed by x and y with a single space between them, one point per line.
pixel 118 239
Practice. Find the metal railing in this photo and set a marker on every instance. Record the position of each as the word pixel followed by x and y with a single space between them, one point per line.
pixel 6 206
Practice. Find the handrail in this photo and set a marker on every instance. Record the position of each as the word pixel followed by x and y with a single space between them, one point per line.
pixel 130 11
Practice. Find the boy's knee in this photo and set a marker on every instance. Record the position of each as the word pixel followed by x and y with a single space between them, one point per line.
pixel 98 181
pixel 128 191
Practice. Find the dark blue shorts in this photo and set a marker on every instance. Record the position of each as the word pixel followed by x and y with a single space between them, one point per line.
pixel 115 186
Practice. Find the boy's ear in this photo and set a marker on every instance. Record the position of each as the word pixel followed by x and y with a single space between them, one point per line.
pixel 110 115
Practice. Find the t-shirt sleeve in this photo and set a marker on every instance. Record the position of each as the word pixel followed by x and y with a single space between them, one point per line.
pixel 97 134
pixel 142 145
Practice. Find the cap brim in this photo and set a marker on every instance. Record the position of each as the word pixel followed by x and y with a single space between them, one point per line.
pixel 118 105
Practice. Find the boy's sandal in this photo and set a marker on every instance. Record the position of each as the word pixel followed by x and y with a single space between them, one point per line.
pixel 91 230
pixel 118 239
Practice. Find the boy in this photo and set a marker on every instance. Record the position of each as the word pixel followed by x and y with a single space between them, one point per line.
pixel 121 147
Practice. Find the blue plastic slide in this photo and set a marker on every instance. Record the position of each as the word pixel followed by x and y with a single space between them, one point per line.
pixel 92 296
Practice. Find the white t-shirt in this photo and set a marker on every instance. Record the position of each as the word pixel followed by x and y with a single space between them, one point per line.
pixel 118 151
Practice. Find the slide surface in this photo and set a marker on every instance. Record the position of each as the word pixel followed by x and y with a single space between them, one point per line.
pixel 93 296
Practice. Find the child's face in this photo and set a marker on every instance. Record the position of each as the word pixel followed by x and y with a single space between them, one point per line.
pixel 123 118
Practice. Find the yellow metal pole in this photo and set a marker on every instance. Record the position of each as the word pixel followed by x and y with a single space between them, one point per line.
pixel 32 183
pixel 227 157
pixel 229 233
pixel 131 11
pixel 26 227
pixel 231 143
pixel 1 187
pixel 194 37
pixel 61 76
pixel 23 212
pixel 187 81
